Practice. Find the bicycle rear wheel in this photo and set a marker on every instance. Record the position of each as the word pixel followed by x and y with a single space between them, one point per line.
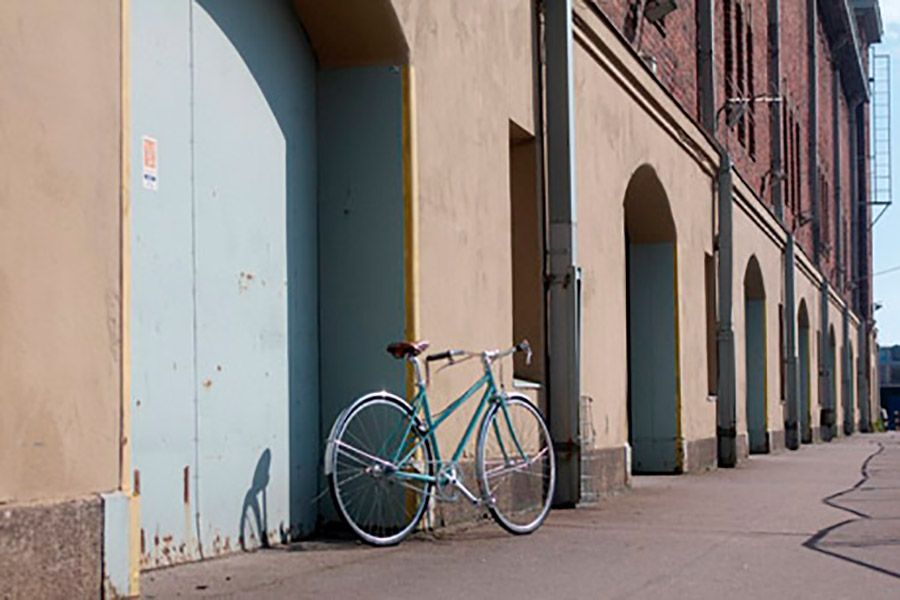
pixel 378 498
pixel 515 465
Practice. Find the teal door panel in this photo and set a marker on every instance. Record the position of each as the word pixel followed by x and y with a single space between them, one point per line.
pixel 361 242
pixel 653 366
pixel 805 394
pixel 361 220
pixel 755 373
pixel 161 317
pixel 255 188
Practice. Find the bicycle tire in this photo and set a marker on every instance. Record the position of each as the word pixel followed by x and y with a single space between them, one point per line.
pixel 517 494
pixel 380 508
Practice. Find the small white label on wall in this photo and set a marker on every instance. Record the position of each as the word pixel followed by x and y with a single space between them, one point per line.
pixel 151 172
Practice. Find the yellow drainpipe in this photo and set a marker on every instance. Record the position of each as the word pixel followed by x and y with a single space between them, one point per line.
pixel 410 214
pixel 125 483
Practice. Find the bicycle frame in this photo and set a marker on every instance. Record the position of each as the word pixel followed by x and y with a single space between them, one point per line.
pixel 431 424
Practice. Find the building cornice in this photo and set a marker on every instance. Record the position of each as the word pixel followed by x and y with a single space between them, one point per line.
pixel 868 14
pixel 839 22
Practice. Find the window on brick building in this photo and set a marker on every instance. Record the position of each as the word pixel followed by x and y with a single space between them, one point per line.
pixel 837 227
pixel 740 59
pixel 786 161
pixel 729 50
pixel 751 93
pixel 825 214
pixel 798 190
pixel 740 76
pixel 845 259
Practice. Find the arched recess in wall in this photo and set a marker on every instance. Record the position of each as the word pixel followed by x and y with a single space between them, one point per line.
pixel 364 174
pixel 828 421
pixel 252 319
pixel 804 361
pixel 850 420
pixel 755 359
pixel 654 404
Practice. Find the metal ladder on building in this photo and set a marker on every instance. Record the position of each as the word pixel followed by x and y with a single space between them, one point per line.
pixel 880 83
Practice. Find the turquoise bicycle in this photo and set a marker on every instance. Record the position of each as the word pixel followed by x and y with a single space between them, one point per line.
pixel 383 461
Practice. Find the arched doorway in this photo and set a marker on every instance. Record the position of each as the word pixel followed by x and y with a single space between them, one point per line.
pixel 755 357
pixel 829 409
pixel 803 351
pixel 280 136
pixel 849 391
pixel 654 429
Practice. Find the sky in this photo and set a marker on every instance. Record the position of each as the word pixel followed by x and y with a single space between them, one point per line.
pixel 887 230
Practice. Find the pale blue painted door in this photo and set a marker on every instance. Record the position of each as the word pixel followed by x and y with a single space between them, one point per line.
pixel 224 294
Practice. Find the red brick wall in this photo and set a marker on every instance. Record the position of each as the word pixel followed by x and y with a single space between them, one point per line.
pixel 674 49
pixel 752 159
pixel 825 79
pixel 673 46
pixel 794 88
pixel 846 196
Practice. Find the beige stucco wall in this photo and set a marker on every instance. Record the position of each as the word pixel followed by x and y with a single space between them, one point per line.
pixel 807 290
pixel 59 248
pixel 615 135
pixel 473 74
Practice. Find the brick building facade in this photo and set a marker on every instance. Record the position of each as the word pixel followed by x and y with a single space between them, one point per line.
pixel 818 172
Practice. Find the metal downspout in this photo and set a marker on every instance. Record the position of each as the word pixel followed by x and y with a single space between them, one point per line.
pixel 846 377
pixel 726 409
pixel 775 114
pixel 838 243
pixel 792 384
pixel 863 217
pixel 826 369
pixel 564 276
pixel 813 126
pixel 862 375
pixel 813 165
pixel 838 182
pixel 854 203
pixel 792 423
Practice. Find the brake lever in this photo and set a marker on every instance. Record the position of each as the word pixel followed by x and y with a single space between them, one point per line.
pixel 524 345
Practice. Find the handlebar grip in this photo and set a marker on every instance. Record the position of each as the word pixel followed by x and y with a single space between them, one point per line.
pixel 445 355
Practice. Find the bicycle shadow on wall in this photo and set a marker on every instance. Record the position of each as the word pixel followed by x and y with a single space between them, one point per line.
pixel 254 515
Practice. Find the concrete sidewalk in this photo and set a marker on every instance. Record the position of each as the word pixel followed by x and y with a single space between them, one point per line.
pixel 823 522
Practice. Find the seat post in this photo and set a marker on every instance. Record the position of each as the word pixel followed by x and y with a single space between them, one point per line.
pixel 417 369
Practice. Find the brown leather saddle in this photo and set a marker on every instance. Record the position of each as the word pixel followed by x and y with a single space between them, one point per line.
pixel 406 348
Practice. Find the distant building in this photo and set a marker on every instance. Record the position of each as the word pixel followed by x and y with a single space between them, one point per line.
pixel 889 377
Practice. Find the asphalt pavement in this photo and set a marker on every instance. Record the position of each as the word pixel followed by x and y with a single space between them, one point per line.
pixel 821 522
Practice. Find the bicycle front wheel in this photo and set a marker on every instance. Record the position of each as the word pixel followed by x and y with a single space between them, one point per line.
pixel 380 469
pixel 515 464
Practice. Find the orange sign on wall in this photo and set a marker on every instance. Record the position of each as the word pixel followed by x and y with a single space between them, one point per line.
pixel 151 173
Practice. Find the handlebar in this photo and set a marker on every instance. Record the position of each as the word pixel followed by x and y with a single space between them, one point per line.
pixel 489 355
